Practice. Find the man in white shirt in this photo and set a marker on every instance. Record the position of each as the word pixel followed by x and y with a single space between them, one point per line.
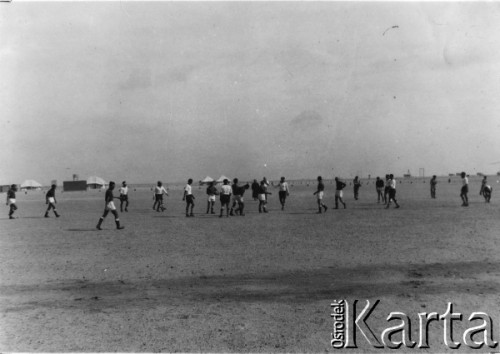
pixel 124 196
pixel 392 191
pixel 189 198
pixel 464 190
pixel 158 197
pixel 225 197
pixel 283 192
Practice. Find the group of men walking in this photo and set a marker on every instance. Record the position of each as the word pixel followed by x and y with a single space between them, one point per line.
pixel 386 193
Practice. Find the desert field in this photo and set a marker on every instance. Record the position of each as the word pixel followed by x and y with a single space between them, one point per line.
pixel 253 283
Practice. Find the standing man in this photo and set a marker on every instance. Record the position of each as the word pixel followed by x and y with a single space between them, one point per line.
pixel 225 197
pixel 357 184
pixel 392 191
pixel 464 190
pixel 263 196
pixel 11 200
pixel 386 189
pixel 50 199
pixel 110 206
pixel 379 185
pixel 320 193
pixel 283 192
pixel 433 187
pixel 339 185
pixel 158 197
pixel 124 196
pixel 189 197
pixel 238 192
pixel 255 189
pixel 211 192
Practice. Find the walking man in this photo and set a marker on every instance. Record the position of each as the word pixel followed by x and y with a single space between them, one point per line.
pixel 50 199
pixel 110 207
pixel 320 193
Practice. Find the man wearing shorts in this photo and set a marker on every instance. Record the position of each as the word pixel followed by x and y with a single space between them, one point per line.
pixel 339 185
pixel 110 207
pixel 11 200
pixel 320 193
pixel 433 183
pixel 379 185
pixel 225 197
pixel 464 190
pixel 50 199
pixel 283 192
pixel 392 191
pixel 189 197
pixel 263 196
pixel 124 196
pixel 211 192
pixel 158 197
pixel 238 192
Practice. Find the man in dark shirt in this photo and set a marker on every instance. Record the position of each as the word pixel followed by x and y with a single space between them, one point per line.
pixel 379 185
pixel 211 192
pixel 238 192
pixel 339 185
pixel 320 192
pixel 11 200
pixel 50 199
pixel 357 184
pixel 110 206
pixel 255 189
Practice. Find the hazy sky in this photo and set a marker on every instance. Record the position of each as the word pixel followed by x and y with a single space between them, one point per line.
pixel 171 90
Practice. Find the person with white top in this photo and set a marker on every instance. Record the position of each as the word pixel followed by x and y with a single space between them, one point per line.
pixel 464 190
pixel 225 197
pixel 50 199
pixel 392 191
pixel 283 192
pixel 189 197
pixel 124 196
pixel 158 197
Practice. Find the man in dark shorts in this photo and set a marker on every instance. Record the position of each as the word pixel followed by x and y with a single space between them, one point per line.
pixel 124 196
pixel 189 197
pixel 357 184
pixel 379 185
pixel 283 192
pixel 433 183
pixel 158 197
pixel 392 192
pixel 464 190
pixel 225 197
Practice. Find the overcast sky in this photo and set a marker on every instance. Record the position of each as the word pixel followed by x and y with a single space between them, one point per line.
pixel 172 90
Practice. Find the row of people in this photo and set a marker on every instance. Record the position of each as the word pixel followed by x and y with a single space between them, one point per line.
pixel 386 193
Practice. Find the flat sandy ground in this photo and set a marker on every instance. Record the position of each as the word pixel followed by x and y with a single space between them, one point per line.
pixel 254 283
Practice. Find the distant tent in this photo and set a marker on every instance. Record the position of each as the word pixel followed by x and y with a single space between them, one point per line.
pixel 222 178
pixel 206 180
pixel 31 184
pixel 95 182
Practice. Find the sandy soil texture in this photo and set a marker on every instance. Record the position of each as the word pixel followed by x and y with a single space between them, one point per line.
pixel 253 283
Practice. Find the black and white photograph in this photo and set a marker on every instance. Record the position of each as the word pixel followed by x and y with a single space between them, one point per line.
pixel 250 176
